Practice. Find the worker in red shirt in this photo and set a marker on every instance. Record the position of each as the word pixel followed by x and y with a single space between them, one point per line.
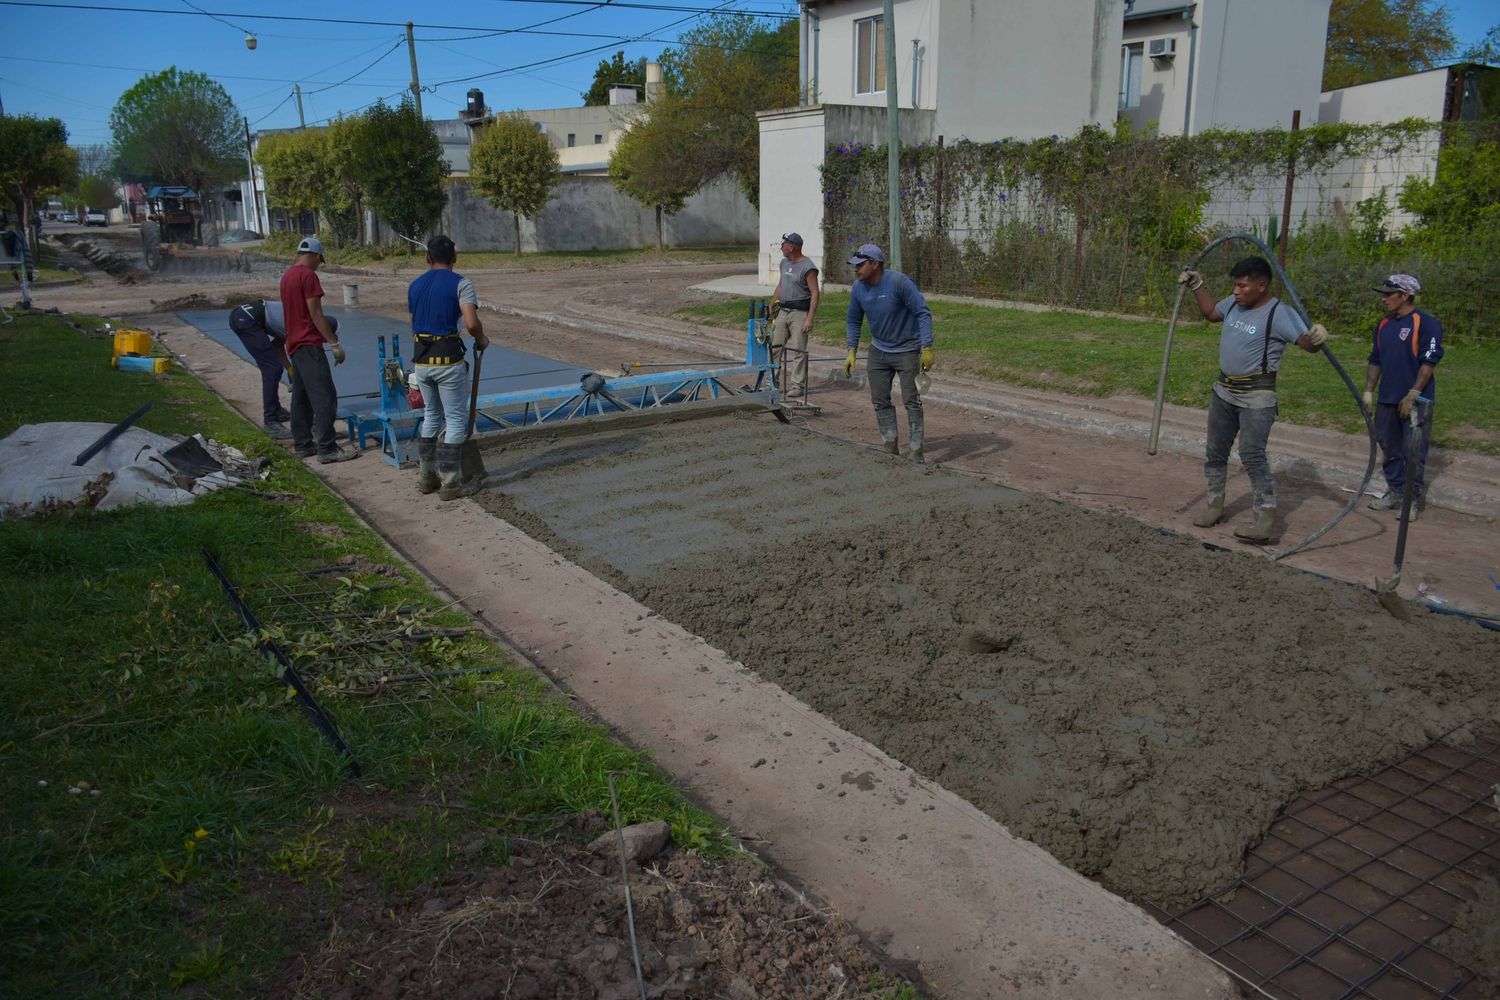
pixel 315 399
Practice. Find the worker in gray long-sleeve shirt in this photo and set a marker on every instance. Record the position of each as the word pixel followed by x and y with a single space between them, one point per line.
pixel 900 342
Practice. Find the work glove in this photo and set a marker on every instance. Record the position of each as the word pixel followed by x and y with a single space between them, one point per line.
pixel 1369 399
pixel 481 342
pixel 1191 278
pixel 1403 408
pixel 1318 334
pixel 339 354
pixel 771 313
pixel 849 363
pixel 927 359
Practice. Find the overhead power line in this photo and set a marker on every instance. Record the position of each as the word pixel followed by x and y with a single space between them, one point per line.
pixel 306 19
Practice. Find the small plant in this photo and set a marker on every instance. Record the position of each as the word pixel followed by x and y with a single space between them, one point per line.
pixel 178 873
pixel 311 852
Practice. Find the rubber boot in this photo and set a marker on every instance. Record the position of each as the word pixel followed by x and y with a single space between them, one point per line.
pixel 1212 514
pixel 886 422
pixel 450 471
pixel 914 439
pixel 1260 531
pixel 427 465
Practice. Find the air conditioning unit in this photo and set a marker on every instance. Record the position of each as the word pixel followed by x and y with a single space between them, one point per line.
pixel 1162 48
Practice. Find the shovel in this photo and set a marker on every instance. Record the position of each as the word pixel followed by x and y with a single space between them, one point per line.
pixel 471 465
pixel 1385 590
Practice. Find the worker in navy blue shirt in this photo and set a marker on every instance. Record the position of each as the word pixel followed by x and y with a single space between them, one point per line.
pixel 441 301
pixel 1406 347
pixel 900 342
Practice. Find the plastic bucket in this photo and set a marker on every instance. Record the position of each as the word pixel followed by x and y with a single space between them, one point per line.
pixel 351 295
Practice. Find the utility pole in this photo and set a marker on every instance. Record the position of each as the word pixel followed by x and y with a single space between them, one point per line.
pixel 301 120
pixel 893 140
pixel 416 85
pixel 254 195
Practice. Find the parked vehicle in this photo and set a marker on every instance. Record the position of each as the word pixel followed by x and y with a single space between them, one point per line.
pixel 96 217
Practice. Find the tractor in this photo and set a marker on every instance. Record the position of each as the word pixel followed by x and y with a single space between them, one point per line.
pixel 174 222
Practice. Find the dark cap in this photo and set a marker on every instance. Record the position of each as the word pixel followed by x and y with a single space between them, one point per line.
pixel 795 239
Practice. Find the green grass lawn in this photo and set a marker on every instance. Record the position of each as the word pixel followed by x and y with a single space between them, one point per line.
pixel 170 817
pixel 1085 356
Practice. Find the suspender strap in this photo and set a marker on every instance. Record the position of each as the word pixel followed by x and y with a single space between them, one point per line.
pixel 1265 350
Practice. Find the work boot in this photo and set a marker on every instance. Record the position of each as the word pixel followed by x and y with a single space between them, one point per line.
pixel 914 452
pixel 427 468
pixel 1260 531
pixel 1212 514
pixel 450 471
pixel 278 430
pixel 890 446
pixel 338 454
pixel 1390 500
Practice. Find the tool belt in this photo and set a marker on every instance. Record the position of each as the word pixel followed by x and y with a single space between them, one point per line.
pixel 801 306
pixel 438 349
pixel 1248 383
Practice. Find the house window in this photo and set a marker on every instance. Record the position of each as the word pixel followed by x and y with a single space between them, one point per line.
pixel 598 139
pixel 572 140
pixel 869 55
pixel 1131 59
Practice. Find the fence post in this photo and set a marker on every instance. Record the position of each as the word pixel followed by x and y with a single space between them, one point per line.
pixel 938 230
pixel 1286 201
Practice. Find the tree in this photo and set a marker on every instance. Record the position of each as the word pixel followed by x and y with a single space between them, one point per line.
pixel 346 195
pixel 720 75
pixel 613 71
pixel 297 175
pixel 34 160
pixel 1486 50
pixel 178 128
pixel 98 192
pixel 514 166
pixel 652 163
pixel 399 163
pixel 1376 39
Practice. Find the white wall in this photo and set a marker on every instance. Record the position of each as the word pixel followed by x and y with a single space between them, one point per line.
pixel 915 19
pixel 1163 97
pixel 1258 60
pixel 1028 69
pixel 791 189
pixel 1419 95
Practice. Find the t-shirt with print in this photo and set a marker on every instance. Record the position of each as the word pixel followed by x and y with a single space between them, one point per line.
pixel 1244 347
pixel 793 291
pixel 297 286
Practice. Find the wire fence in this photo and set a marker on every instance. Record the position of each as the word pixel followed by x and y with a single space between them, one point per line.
pixel 1100 221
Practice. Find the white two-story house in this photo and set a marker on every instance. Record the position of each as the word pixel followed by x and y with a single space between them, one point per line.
pixel 977 69
pixel 1230 64
pixel 992 69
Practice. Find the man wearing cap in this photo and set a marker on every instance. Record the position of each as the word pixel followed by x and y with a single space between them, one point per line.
pixel 900 342
pixel 261 327
pixel 1407 345
pixel 315 400
pixel 439 301
pixel 794 305
pixel 1243 401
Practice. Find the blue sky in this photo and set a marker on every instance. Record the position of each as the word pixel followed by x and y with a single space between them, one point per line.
pixel 74 62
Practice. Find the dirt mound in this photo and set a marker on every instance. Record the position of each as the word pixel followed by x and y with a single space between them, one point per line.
pixel 1135 703
pixel 552 923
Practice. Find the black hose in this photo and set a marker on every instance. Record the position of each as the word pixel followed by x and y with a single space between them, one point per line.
pixel 1291 295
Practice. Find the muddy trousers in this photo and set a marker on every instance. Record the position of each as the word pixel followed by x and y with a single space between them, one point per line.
pixel 1390 431
pixel 262 347
pixel 445 389
pixel 883 370
pixel 1253 427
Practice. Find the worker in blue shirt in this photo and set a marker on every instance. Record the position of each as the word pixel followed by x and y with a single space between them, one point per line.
pixel 1406 347
pixel 900 342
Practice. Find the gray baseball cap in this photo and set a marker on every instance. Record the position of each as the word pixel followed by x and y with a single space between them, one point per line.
pixel 867 251
pixel 311 244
